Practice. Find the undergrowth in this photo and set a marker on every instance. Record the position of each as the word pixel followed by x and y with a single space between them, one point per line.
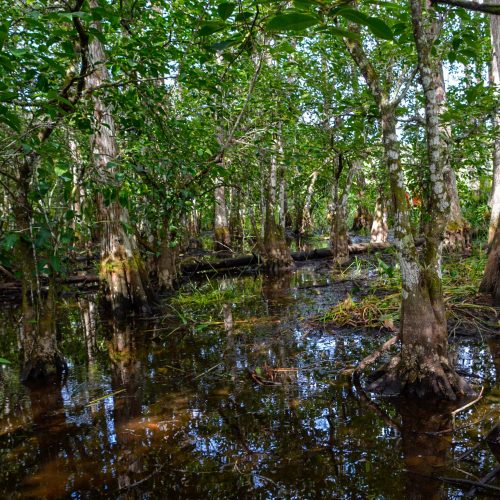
pixel 380 306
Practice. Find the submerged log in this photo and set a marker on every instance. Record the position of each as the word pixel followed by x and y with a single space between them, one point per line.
pixel 252 260
pixel 220 265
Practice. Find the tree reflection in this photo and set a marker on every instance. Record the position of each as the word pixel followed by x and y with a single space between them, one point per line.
pixel 53 436
pixel 126 376
pixel 426 444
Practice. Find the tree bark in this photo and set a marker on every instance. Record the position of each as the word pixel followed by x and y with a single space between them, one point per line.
pixel 495 80
pixel 40 356
pixel 122 268
pixel 363 219
pixel 339 236
pixel 276 256
pixel 380 230
pixel 235 221
pixel 491 279
pixel 306 220
pixel 457 233
pixel 222 237
pixel 423 366
pixel 167 262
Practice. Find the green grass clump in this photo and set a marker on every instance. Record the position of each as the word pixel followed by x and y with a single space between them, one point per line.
pixel 380 307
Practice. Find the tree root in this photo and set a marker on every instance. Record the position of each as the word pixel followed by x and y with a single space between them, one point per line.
pixel 433 378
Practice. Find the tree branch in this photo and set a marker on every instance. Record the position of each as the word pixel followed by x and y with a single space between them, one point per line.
pixel 472 5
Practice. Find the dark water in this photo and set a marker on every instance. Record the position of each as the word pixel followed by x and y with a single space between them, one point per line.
pixel 166 408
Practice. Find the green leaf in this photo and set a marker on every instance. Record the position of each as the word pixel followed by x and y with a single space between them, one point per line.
pixel 210 27
pixel 344 33
pixel 225 9
pixel 10 240
pixel 379 28
pixel 292 21
pixel 7 96
pixel 4 361
pixel 225 44
pixel 243 16
pixel 353 15
pixel 60 171
pixel 55 263
pixel 70 15
pixel 10 119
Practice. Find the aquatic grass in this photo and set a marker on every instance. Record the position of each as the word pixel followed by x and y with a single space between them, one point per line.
pixel 215 293
pixel 380 306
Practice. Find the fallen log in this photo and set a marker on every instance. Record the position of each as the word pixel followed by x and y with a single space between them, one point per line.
pixel 252 260
pixel 220 265
pixel 325 253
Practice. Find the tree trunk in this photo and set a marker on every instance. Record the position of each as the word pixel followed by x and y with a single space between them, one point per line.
pixel 167 263
pixel 235 221
pixel 306 220
pixel 363 219
pixel 88 315
pixel 276 252
pixel 283 201
pixel 121 266
pixel 339 236
pixel 491 279
pixel 457 233
pixel 423 367
pixel 40 356
pixel 380 229
pixel 222 237
pixel 495 80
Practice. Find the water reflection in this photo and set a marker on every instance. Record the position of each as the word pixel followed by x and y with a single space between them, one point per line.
pixel 171 410
pixel 55 446
pixel 426 443
pixel 88 313
pixel 127 383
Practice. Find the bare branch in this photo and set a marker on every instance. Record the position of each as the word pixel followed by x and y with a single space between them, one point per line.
pixel 488 8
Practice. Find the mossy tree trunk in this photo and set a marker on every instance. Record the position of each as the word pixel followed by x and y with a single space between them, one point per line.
pixel 495 80
pixel 167 268
pixel 423 367
pixel 491 279
pixel 235 220
pixel 339 236
pixel 276 252
pixel 362 219
pixel 40 355
pixel 121 267
pixel 282 200
pixel 457 232
pixel 306 219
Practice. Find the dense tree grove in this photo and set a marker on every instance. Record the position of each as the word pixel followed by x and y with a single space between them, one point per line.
pixel 130 130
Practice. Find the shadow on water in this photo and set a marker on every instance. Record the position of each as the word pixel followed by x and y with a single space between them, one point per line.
pixel 167 407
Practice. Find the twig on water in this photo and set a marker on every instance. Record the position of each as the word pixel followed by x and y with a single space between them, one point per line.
pixel 468 405
pixel 209 370
pixel 104 397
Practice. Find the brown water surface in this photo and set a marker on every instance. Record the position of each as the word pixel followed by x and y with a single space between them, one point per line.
pixel 166 408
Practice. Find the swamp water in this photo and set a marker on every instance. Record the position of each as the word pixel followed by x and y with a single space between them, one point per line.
pixel 167 408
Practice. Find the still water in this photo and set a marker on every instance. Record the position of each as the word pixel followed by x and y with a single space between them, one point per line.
pixel 166 408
